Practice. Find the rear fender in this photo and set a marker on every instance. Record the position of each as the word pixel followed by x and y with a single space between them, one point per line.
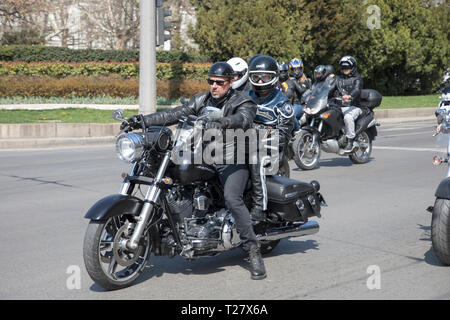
pixel 114 205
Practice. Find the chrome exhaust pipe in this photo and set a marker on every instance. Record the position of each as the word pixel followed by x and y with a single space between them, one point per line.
pixel 304 229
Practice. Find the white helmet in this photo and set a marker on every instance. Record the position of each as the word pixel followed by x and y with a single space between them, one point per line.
pixel 240 68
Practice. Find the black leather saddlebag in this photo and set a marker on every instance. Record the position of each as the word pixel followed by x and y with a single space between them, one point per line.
pixel 292 200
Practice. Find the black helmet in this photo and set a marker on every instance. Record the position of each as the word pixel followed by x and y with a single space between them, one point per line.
pixel 320 73
pixel 253 58
pixel 348 62
pixel 221 69
pixel 263 73
pixel 284 71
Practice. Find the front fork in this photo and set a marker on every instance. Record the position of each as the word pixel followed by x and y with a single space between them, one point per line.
pixel 151 197
pixel 315 136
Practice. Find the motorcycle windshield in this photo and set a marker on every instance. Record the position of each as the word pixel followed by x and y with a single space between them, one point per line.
pixel 319 97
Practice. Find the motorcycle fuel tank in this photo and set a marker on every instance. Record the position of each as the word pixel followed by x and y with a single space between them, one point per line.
pixel 191 173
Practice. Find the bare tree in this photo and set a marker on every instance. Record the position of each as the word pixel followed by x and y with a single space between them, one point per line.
pixel 115 21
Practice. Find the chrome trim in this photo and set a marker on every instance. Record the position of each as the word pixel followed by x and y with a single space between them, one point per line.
pixel 304 229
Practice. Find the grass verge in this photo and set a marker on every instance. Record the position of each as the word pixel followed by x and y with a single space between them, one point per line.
pixel 85 115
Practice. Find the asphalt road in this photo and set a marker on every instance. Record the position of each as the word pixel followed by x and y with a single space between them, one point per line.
pixel 374 241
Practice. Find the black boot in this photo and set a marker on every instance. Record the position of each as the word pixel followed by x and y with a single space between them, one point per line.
pixel 257 268
pixel 257 213
pixel 257 193
pixel 349 146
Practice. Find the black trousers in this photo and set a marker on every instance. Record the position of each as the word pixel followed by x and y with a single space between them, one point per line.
pixel 234 178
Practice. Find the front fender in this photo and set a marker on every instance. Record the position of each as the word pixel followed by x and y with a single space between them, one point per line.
pixel 443 190
pixel 114 205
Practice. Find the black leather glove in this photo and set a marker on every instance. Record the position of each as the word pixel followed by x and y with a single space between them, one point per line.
pixel 131 123
pixel 217 123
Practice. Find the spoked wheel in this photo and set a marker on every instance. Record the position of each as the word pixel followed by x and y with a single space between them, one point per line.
pixel 108 261
pixel 305 156
pixel 361 153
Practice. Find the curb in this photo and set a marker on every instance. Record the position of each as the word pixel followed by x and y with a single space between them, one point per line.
pixel 57 134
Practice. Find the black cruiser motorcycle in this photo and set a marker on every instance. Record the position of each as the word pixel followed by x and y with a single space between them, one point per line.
pixel 168 209
pixel 323 128
pixel 440 220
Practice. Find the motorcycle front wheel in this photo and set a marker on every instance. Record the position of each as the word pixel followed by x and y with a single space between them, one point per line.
pixel 361 154
pixel 440 230
pixel 108 261
pixel 305 157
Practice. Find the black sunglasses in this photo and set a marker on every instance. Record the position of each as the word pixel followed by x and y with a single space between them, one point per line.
pixel 219 82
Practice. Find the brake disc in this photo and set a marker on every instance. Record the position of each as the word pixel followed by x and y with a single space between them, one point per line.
pixel 124 256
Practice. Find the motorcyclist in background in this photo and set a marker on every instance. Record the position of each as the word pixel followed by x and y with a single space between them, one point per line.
pixel 238 113
pixel 298 83
pixel 240 68
pixel 444 105
pixel 274 110
pixel 348 86
pixel 284 76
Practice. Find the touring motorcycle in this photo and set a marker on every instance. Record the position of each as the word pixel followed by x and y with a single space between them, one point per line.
pixel 440 220
pixel 170 208
pixel 323 127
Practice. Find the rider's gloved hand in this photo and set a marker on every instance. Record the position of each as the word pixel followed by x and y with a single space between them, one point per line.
pixel 131 123
pixel 218 124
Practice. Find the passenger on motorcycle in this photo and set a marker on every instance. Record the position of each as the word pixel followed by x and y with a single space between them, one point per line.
pixel 239 111
pixel 298 83
pixel 348 87
pixel 274 110
pixel 240 68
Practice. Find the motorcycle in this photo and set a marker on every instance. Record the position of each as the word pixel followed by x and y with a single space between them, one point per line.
pixel 440 220
pixel 170 208
pixel 323 127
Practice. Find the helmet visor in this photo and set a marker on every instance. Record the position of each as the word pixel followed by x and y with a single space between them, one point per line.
pixel 264 77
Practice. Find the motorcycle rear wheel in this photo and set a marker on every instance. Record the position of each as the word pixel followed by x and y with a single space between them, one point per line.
pixel 362 153
pixel 107 262
pixel 305 158
pixel 440 230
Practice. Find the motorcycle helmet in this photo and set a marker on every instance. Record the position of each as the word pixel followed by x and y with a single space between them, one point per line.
pixel 240 68
pixel 296 67
pixel 348 62
pixel 320 73
pixel 284 71
pixel 264 74
pixel 253 58
pixel 221 69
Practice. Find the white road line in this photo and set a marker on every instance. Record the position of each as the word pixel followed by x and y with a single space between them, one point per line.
pixel 410 149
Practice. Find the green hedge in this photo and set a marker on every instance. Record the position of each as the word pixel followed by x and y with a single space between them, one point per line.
pixel 164 71
pixel 37 53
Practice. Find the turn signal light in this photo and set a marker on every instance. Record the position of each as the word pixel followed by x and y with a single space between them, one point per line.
pixel 437 161
pixel 123 175
pixel 325 115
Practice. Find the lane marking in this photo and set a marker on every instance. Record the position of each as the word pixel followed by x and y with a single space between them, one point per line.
pixel 409 149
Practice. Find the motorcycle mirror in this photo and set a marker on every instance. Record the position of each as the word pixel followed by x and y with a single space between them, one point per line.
pixel 118 115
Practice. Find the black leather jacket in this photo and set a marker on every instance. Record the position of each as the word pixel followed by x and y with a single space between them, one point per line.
pixel 351 85
pixel 296 89
pixel 238 108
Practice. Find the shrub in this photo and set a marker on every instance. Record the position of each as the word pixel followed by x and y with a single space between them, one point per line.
pixel 123 69
pixel 82 86
pixel 40 53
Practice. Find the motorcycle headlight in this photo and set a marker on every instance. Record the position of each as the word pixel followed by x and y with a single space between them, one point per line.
pixel 130 147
